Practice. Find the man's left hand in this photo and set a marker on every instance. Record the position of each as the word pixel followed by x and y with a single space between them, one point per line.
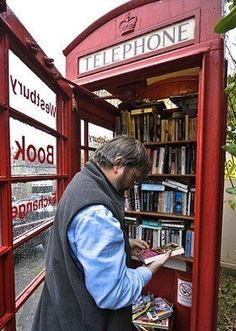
pixel 137 245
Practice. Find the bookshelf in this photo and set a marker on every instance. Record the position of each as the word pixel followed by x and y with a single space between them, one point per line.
pixel 167 196
pixel 156 214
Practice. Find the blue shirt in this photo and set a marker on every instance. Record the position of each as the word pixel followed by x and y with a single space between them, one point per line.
pixel 96 240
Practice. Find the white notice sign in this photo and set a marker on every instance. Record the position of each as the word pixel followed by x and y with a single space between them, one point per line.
pixel 29 94
pixel 168 36
pixel 184 295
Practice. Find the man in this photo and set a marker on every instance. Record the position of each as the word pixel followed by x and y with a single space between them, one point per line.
pixel 89 285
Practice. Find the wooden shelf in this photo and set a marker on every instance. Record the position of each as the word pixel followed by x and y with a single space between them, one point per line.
pixel 183 258
pixel 173 175
pixel 177 142
pixel 164 215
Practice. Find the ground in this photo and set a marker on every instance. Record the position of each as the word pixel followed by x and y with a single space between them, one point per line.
pixel 226 318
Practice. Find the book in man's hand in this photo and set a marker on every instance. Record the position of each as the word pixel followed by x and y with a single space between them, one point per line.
pixel 150 255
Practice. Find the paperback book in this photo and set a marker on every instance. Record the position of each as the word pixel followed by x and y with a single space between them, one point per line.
pixel 154 313
pixel 150 255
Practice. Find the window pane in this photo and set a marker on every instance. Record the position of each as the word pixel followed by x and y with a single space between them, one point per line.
pixel 34 204
pixel 25 315
pixel 29 261
pixel 98 135
pixel 33 152
pixel 29 94
pixel 82 132
pixel 91 153
pixel 82 158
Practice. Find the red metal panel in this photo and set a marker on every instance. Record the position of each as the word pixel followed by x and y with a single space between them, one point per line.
pixel 209 191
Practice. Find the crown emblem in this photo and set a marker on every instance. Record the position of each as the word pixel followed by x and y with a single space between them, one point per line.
pixel 128 24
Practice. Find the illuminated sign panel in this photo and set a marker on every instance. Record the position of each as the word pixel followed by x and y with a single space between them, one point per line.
pixel 171 35
pixel 29 94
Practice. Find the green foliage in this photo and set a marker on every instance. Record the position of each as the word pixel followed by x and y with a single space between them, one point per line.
pixel 226 317
pixel 224 25
pixel 227 22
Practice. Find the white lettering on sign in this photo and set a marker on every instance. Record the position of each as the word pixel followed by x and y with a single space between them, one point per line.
pixel 169 36
pixel 31 154
pixel 29 94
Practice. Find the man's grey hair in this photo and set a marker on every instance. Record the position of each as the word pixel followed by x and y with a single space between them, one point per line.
pixel 125 150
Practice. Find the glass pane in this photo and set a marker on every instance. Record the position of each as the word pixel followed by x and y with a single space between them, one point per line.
pixel 98 135
pixel 91 155
pixel 25 315
pixel 82 132
pixel 29 261
pixel 29 94
pixel 82 158
pixel 33 152
pixel 34 204
pixel 63 117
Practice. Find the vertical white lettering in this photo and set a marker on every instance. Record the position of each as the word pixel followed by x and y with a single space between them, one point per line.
pixel 153 42
pixel 141 45
pixel 104 58
pixel 97 60
pixel 182 30
pixel 86 59
pixel 167 36
pixel 115 54
pixel 126 49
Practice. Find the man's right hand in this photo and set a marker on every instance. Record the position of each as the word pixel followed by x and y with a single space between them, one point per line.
pixel 156 265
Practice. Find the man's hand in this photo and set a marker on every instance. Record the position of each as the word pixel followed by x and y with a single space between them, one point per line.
pixel 137 246
pixel 156 265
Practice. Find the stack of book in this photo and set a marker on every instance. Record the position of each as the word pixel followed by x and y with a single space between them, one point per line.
pixel 150 313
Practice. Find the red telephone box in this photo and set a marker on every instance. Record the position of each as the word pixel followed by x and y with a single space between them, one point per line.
pixel 154 50
pixel 142 50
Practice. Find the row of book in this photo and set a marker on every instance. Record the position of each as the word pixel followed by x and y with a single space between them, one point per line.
pixel 147 125
pixel 156 233
pixel 164 197
pixel 152 313
pixel 173 159
pixel 161 232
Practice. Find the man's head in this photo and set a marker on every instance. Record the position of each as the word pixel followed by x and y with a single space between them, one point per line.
pixel 124 160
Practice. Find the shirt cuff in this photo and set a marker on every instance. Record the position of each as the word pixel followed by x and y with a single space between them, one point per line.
pixel 145 274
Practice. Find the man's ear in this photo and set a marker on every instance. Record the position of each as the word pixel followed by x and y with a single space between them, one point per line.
pixel 117 164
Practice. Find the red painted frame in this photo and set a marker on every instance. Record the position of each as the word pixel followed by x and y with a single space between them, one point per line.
pixel 15 37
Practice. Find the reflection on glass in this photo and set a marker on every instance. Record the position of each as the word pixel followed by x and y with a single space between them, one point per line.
pixel 98 135
pixel 91 153
pixel 29 261
pixel 82 132
pixel 33 152
pixel 82 158
pixel 33 204
pixel 25 315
